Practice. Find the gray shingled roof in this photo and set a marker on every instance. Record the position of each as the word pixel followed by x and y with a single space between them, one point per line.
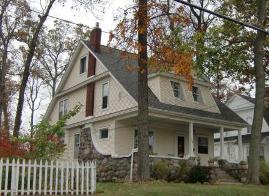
pixel 112 59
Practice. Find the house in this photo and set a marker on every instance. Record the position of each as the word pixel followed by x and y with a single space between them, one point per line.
pixel 182 120
pixel 244 107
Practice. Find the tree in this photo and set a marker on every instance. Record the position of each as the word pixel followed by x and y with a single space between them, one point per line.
pixel 151 29
pixel 143 116
pixel 32 98
pixel 26 72
pixel 45 142
pixel 55 49
pixel 13 17
pixel 254 161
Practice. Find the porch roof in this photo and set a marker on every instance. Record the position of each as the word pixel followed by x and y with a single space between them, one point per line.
pixel 116 64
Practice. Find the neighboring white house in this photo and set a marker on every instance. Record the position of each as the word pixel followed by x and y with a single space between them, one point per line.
pixel 183 120
pixel 244 107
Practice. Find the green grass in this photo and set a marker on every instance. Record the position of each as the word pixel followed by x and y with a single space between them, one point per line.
pixel 170 189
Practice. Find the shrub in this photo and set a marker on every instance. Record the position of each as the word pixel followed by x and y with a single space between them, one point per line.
pixel 160 170
pixel 198 174
pixel 264 173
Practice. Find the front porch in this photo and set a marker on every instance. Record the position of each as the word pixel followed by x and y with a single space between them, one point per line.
pixel 169 138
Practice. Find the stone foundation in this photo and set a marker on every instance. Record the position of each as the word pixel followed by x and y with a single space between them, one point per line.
pixel 118 169
pixel 236 170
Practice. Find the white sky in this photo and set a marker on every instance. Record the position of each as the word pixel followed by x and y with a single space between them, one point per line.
pixel 79 15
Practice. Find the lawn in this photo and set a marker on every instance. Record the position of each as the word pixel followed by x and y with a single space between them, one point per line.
pixel 167 189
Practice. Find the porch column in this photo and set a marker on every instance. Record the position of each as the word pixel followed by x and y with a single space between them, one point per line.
pixel 240 154
pixel 191 154
pixel 222 143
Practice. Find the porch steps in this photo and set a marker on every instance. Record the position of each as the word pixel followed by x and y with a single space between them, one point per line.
pixel 224 178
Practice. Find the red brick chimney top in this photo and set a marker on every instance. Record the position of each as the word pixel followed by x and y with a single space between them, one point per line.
pixel 95 38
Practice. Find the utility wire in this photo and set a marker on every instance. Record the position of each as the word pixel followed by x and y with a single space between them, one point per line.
pixel 223 16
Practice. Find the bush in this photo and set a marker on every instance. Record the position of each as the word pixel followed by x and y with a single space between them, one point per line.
pixel 264 173
pixel 160 170
pixel 198 174
pixel 182 171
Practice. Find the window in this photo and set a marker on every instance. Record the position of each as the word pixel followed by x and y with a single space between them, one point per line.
pixel 202 145
pixel 104 133
pixel 176 89
pixel 105 95
pixel 63 107
pixel 76 145
pixel 196 94
pixel 82 65
pixel 77 140
pixel 151 140
pixel 249 127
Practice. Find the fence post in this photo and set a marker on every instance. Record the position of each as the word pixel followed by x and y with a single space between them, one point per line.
pixel 93 177
pixel 13 178
pixel 1 170
pixel 22 177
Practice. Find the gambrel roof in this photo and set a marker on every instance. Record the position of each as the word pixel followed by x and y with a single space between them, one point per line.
pixel 117 65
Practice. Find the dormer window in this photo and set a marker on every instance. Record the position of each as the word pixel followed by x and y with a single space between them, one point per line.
pixel 105 95
pixel 82 65
pixel 176 89
pixel 196 94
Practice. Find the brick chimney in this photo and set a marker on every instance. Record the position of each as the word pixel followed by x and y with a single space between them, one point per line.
pixel 95 38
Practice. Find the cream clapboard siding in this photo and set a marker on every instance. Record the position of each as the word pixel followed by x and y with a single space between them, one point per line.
pixel 118 99
pixel 75 77
pixel 210 135
pixel 165 139
pixel 70 143
pixel 162 88
pixel 124 138
pixel 74 98
pixel 104 146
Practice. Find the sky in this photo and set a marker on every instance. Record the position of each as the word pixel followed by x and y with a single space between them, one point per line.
pixel 104 15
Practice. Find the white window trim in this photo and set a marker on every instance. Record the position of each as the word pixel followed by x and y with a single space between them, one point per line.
pixel 181 91
pixel 86 63
pixel 99 134
pixel 176 144
pixel 205 136
pixel 200 94
pixel 104 109
pixel 154 139
pixel 79 138
pixel 61 100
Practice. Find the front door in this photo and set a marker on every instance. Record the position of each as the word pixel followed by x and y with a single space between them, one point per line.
pixel 180 146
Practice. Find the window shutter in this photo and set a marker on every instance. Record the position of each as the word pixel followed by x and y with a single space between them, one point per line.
pixel 91 65
pixel 90 99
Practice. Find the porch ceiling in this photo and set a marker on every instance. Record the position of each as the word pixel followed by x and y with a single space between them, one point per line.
pixel 132 121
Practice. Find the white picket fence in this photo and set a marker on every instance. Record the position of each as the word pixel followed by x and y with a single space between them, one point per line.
pixel 32 177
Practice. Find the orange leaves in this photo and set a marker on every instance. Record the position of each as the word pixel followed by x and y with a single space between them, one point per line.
pixel 10 148
pixel 164 42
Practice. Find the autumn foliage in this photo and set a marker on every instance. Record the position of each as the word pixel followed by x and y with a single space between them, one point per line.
pixel 45 143
pixel 167 49
pixel 11 148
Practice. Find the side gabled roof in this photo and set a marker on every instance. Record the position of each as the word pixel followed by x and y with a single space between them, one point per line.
pixel 117 65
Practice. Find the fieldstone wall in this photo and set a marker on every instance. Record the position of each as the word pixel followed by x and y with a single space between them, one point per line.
pixel 238 171
pixel 118 169
pixel 108 168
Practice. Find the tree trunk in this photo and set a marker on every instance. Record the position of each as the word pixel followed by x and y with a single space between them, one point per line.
pixel 3 72
pixel 254 155
pixel 26 71
pixel 143 118
pixel 6 116
pixel 32 121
